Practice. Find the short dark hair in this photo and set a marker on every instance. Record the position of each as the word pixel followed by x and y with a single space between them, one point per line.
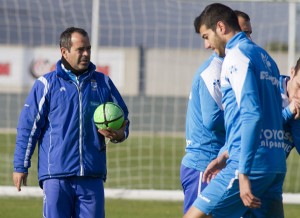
pixel 214 13
pixel 242 14
pixel 297 67
pixel 65 36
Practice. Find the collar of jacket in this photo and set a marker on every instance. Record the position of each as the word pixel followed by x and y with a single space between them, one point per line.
pixel 61 72
pixel 236 39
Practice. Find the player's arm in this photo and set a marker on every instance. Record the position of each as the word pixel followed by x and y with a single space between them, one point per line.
pixel 251 122
pixel 211 97
pixel 212 114
pixel 247 96
pixel 244 85
pixel 215 167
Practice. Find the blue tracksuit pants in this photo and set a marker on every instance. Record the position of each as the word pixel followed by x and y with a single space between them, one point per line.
pixel 76 197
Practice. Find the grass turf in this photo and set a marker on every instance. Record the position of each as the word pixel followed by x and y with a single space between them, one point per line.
pixel 115 208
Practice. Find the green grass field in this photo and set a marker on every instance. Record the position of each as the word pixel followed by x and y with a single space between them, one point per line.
pixel 32 207
pixel 142 162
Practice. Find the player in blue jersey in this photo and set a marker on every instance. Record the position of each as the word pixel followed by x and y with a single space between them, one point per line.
pixel 58 117
pixel 205 133
pixel 290 92
pixel 252 104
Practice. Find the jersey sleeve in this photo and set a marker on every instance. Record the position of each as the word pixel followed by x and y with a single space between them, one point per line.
pixel 31 120
pixel 244 85
pixel 212 114
pixel 287 115
pixel 211 96
pixel 251 123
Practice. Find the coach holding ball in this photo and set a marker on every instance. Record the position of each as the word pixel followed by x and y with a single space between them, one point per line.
pixel 58 116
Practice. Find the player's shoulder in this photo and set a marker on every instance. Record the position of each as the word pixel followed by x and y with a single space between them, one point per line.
pixel 214 61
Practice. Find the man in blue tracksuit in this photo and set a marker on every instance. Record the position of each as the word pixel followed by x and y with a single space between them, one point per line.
pixel 252 105
pixel 58 116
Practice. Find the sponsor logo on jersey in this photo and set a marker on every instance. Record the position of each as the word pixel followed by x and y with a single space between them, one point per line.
pixel 264 75
pixel 265 59
pixel 273 138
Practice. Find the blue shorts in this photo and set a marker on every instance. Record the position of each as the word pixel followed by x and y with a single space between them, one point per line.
pixel 269 209
pixel 221 198
pixel 272 206
pixel 73 197
pixel 192 185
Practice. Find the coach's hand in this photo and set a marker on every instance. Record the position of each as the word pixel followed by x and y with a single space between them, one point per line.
pixel 246 195
pixel 20 178
pixel 114 135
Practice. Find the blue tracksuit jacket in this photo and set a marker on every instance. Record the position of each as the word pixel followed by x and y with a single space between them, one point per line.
pixel 58 115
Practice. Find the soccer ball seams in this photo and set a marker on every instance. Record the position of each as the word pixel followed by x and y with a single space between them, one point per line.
pixel 109 121
pixel 107 115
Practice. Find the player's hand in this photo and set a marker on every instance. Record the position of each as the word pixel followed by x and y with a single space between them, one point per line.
pixel 295 108
pixel 215 167
pixel 246 195
pixel 116 135
pixel 19 178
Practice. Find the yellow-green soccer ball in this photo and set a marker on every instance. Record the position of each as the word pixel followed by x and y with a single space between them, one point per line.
pixel 107 115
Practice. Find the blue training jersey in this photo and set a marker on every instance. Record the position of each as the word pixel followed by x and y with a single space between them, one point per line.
pixel 291 127
pixel 205 132
pixel 252 108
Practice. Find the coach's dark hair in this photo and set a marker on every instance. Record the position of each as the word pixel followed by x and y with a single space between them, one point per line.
pixel 214 13
pixel 65 36
pixel 242 14
pixel 297 67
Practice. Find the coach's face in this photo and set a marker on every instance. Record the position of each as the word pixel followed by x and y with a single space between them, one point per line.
pixel 80 52
pixel 213 39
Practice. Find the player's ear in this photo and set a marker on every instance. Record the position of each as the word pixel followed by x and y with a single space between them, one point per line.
pixel 220 27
